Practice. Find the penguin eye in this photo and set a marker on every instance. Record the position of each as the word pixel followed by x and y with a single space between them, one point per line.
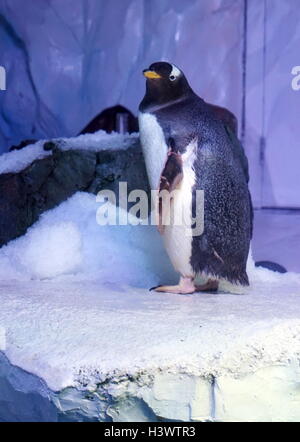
pixel 172 77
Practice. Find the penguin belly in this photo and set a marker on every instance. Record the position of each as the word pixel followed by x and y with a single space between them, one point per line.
pixel 178 238
pixel 154 147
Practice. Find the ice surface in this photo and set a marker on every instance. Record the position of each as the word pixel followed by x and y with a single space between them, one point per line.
pixel 23 396
pixel 77 313
pixel 126 342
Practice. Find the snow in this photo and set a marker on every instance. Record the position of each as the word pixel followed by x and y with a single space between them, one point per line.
pixel 18 160
pixel 76 309
pixel 80 333
pixel 52 250
pixel 68 242
pixel 56 330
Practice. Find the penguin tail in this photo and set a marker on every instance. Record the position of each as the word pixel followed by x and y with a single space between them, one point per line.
pixel 243 279
pixel 232 271
pixel 236 275
pixel 238 278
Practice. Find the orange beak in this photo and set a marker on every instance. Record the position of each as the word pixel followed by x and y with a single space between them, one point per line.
pixel 150 74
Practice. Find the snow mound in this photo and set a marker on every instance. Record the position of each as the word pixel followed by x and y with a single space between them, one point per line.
pixel 52 250
pixel 67 241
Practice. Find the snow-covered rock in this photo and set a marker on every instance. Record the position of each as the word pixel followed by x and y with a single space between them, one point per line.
pixel 42 175
pixel 18 160
pixel 84 339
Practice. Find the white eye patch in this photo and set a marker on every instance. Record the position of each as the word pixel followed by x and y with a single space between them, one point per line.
pixel 174 73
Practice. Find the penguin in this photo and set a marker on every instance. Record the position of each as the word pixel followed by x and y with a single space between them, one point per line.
pixel 188 148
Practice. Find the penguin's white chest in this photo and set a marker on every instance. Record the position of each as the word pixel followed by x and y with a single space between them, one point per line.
pixel 154 147
pixel 177 236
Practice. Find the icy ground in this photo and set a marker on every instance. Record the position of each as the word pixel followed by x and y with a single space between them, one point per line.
pixel 77 315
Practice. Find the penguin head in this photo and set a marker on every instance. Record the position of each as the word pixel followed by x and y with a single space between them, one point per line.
pixel 165 83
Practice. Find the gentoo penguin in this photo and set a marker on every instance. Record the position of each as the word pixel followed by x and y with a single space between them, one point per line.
pixel 188 148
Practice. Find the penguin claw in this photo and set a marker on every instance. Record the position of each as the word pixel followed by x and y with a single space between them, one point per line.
pixel 176 289
pixel 153 288
pixel 186 287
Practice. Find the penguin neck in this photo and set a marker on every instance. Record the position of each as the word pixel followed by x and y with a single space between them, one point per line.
pixel 148 106
pixel 153 100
